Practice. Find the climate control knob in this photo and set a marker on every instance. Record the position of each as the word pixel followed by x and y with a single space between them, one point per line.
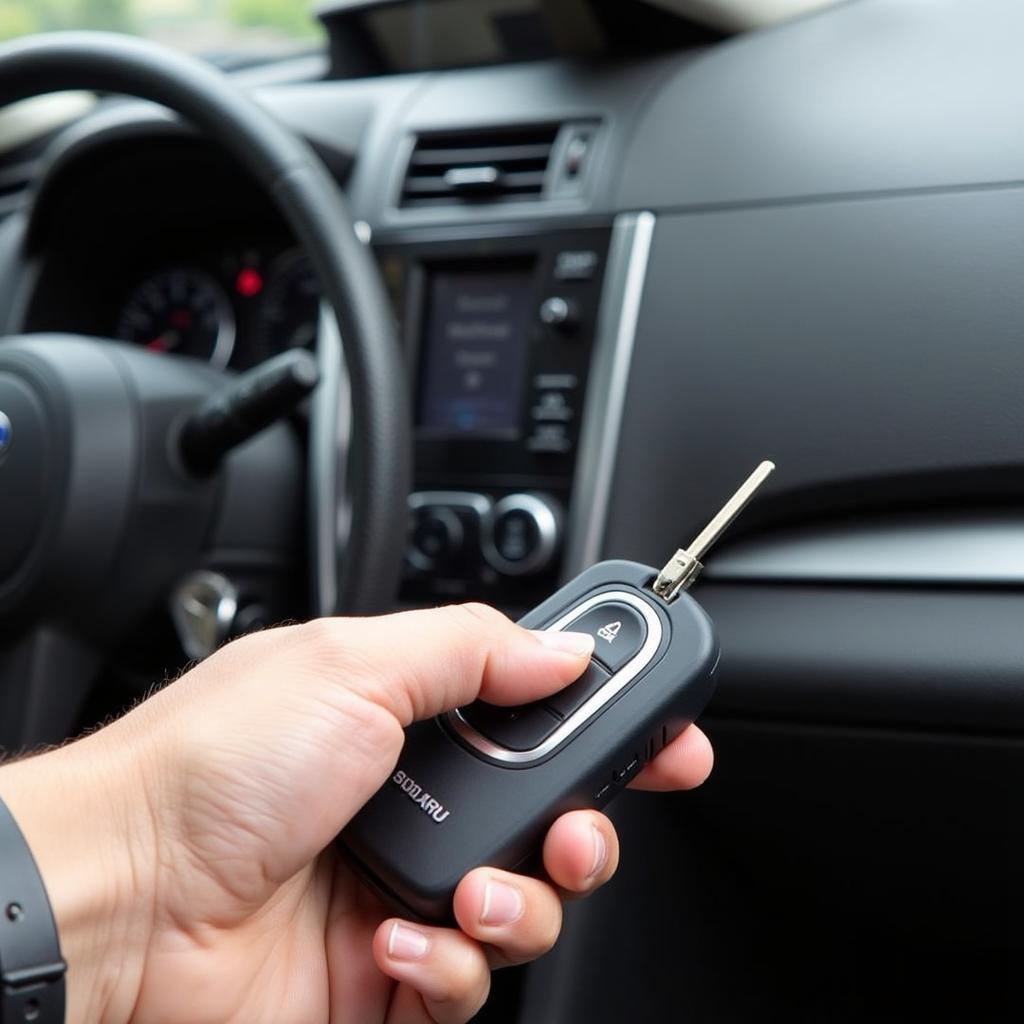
pixel 521 534
pixel 436 537
pixel 560 313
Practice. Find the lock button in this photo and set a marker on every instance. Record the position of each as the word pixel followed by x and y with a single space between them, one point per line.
pixel 566 701
pixel 618 631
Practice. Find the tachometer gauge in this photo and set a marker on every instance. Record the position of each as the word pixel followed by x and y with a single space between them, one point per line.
pixel 291 304
pixel 183 311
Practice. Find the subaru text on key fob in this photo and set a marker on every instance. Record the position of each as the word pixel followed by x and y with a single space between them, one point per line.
pixel 482 785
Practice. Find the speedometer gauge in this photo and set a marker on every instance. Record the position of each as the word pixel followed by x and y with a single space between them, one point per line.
pixel 291 304
pixel 183 311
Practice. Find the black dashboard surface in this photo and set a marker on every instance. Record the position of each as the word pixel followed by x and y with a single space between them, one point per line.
pixel 873 95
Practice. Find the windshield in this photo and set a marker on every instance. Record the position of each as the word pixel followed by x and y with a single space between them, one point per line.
pixel 207 27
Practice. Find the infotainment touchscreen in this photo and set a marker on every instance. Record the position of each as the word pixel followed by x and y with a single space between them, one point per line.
pixel 473 355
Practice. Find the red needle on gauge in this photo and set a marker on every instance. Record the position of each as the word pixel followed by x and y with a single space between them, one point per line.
pixel 181 320
pixel 164 342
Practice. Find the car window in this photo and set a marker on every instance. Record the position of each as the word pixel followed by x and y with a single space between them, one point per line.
pixel 209 27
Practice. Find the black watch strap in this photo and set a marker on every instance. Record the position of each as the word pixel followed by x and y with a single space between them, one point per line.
pixel 31 966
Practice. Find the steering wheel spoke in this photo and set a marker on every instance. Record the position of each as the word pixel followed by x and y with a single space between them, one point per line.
pixel 45 679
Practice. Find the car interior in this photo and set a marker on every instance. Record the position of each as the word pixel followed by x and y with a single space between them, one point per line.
pixel 478 293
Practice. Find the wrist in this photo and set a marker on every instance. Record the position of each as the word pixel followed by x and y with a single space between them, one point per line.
pixel 84 813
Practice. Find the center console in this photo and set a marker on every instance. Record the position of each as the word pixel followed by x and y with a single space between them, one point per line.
pixel 499 333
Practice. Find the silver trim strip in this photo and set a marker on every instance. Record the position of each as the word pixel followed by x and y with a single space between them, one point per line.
pixel 982 549
pixel 479 503
pixel 586 711
pixel 623 288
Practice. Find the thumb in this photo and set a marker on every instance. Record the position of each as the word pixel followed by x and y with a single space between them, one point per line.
pixel 421 663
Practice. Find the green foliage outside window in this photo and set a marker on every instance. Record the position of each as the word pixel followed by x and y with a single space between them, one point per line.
pixel 288 16
pixel 16 20
pixel 218 20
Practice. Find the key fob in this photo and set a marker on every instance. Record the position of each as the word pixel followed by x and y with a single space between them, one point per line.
pixel 482 784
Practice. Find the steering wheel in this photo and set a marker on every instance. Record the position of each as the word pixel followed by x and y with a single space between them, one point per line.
pixel 99 514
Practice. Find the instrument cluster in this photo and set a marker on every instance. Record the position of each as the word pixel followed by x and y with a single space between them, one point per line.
pixel 232 309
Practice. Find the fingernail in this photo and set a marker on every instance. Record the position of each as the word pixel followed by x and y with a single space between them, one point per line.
pixel 600 851
pixel 405 943
pixel 503 904
pixel 568 643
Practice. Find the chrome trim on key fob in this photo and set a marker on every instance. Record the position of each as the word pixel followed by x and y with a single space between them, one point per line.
pixel 615 685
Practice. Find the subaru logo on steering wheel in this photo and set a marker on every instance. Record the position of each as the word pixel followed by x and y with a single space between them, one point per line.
pixel 5 433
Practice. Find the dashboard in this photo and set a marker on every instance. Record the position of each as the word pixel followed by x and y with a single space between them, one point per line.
pixel 620 283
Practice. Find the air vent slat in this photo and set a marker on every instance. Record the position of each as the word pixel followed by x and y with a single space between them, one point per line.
pixel 448 201
pixel 530 181
pixel 482 154
pixel 486 166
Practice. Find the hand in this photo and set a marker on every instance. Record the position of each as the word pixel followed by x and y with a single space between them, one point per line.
pixel 187 847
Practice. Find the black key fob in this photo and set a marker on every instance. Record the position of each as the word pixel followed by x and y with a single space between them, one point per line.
pixel 483 784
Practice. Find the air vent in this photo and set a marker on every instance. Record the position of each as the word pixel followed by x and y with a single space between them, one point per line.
pixel 493 165
pixel 14 186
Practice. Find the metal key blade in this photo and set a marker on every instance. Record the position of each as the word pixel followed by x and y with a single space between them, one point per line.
pixel 730 510
pixel 683 568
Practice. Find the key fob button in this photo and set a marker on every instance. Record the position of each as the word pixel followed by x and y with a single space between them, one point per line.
pixel 618 632
pixel 566 701
pixel 517 728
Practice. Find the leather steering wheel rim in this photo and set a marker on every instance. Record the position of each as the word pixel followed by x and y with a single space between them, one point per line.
pixel 311 202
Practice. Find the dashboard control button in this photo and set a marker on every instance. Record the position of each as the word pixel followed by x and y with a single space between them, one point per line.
pixel 551 405
pixel 443 526
pixel 437 536
pixel 549 437
pixel 559 312
pixel 618 632
pixel 559 381
pixel 521 534
pixel 576 265
pixel 576 154
pixel 566 701
pixel 517 728
pixel 515 535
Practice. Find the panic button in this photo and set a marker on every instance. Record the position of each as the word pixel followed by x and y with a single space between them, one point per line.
pixel 519 728
pixel 618 632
